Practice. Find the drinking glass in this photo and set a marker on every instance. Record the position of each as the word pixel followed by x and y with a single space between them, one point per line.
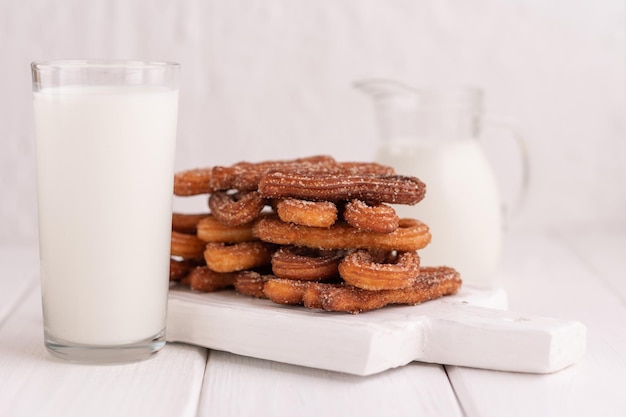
pixel 105 134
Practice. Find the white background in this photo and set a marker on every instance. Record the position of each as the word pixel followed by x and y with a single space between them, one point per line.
pixel 273 79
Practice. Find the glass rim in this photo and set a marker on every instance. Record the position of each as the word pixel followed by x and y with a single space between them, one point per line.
pixel 101 64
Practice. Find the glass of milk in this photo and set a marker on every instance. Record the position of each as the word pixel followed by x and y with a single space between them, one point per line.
pixel 434 135
pixel 105 135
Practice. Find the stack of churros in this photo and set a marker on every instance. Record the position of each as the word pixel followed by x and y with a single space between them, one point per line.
pixel 311 231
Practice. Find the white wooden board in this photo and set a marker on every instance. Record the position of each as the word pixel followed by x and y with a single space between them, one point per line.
pixel 470 328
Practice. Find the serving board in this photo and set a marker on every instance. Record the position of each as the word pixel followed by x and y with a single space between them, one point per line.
pixel 471 328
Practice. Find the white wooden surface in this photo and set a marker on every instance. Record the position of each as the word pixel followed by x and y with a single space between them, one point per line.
pixel 573 275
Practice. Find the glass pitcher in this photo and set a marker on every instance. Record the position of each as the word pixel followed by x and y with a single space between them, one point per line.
pixel 433 135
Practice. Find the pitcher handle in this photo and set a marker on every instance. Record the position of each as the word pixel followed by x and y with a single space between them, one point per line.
pixel 518 138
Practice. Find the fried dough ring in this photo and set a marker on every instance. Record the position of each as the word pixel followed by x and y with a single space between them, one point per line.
pixel 245 176
pixel 285 291
pixel 231 258
pixel 360 269
pixel 192 182
pixel 179 268
pixel 236 209
pixel 432 283
pixel 394 189
pixel 381 218
pixel 307 213
pixel 186 246
pixel 202 278
pixel 186 223
pixel 409 236
pixel 305 264
pixel 211 230
pixel 251 283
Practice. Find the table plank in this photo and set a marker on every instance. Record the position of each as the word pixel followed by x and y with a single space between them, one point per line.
pixel 603 251
pixel 545 277
pixel 241 386
pixel 33 383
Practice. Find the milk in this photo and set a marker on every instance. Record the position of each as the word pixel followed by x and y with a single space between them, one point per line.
pixel 461 207
pixel 105 160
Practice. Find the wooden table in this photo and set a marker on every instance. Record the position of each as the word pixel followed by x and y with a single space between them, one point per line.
pixel 570 275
